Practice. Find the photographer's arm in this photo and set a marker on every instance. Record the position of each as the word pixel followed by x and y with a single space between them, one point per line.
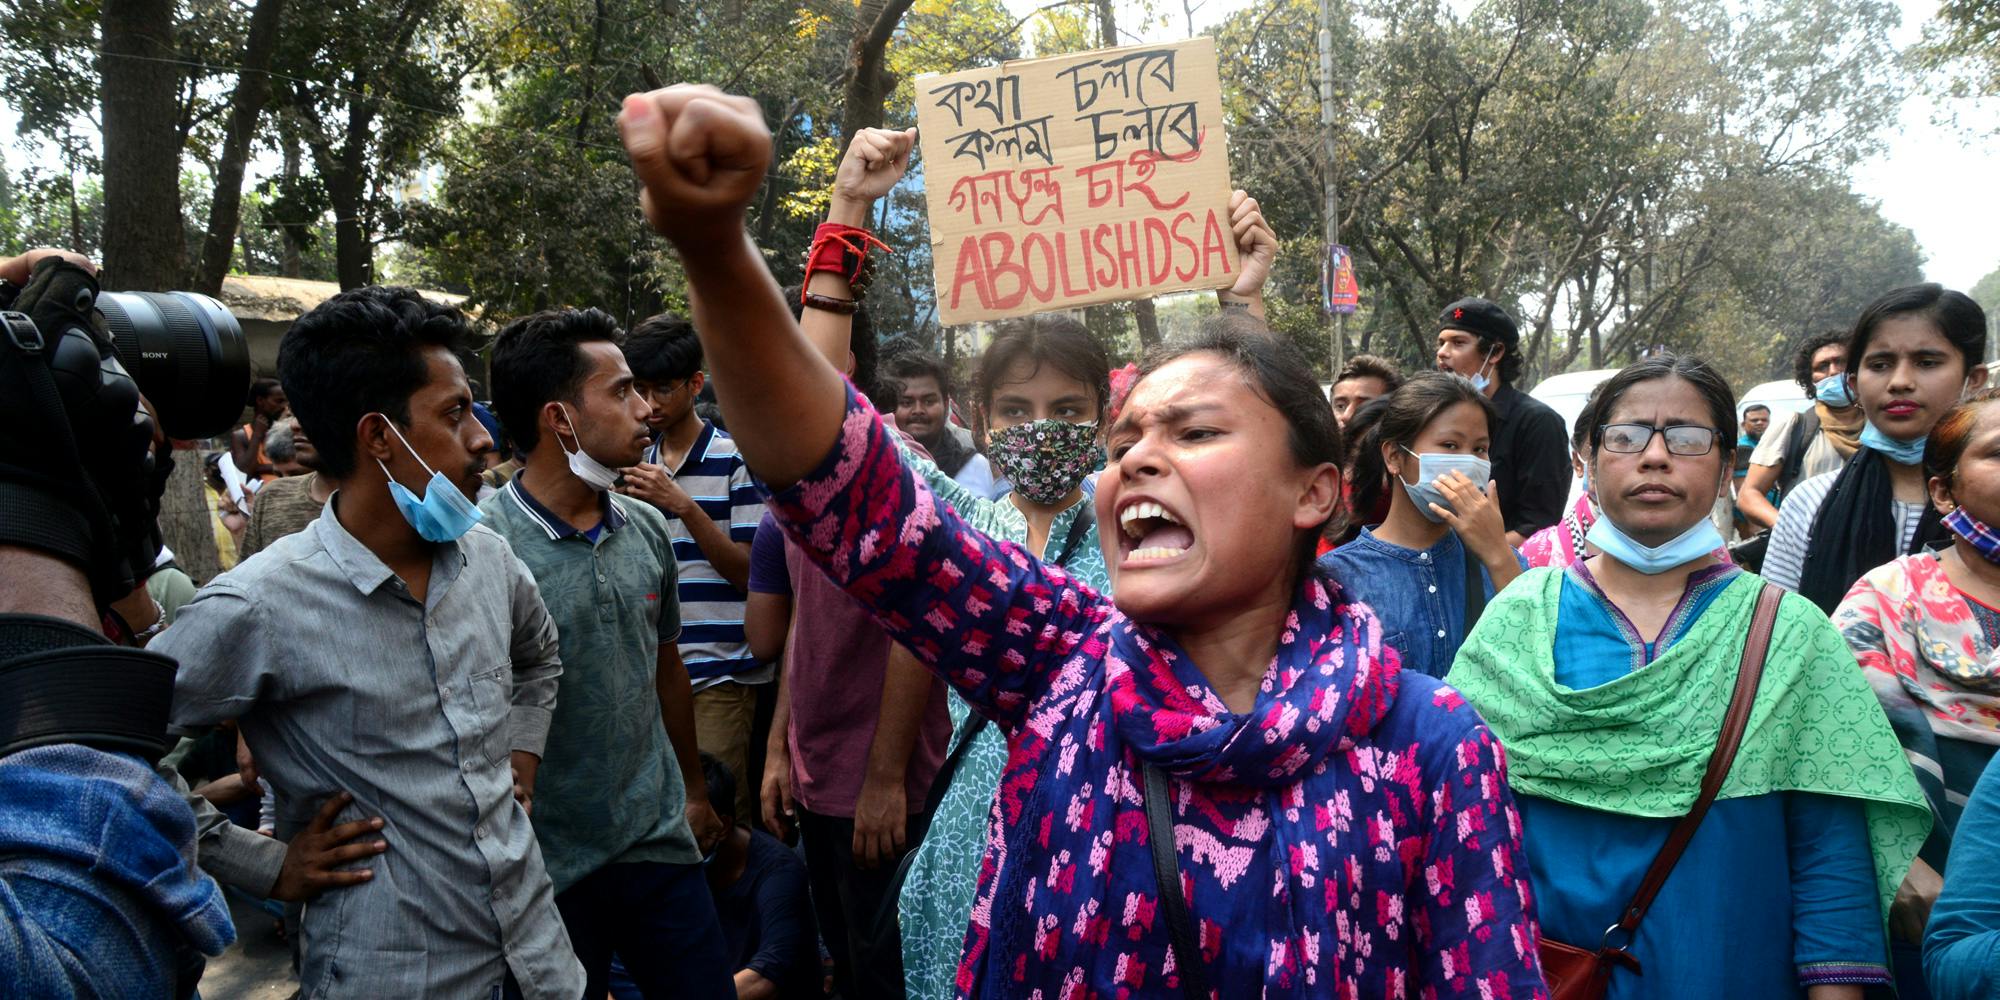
pixel 16 270
pixel 33 582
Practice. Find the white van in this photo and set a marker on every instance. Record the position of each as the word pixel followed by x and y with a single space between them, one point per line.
pixel 1566 393
pixel 1783 396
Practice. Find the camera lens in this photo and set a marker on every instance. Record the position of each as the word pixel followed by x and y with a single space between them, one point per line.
pixel 188 355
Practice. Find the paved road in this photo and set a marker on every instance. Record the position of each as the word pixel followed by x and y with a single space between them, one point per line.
pixel 257 967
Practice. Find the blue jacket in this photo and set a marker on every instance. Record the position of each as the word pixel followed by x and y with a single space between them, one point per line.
pixel 99 894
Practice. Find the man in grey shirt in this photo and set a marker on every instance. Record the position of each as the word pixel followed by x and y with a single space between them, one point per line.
pixel 399 653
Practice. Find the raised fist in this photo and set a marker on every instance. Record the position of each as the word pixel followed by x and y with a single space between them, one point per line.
pixel 875 161
pixel 701 155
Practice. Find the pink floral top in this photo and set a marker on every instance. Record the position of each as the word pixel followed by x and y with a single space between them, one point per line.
pixel 1351 836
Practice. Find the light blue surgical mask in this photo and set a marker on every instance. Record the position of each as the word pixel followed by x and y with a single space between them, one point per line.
pixel 1432 465
pixel 1899 452
pixel 1480 380
pixel 443 514
pixel 1834 391
pixel 1700 539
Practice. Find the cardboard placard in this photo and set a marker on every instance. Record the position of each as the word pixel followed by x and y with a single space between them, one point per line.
pixel 1061 182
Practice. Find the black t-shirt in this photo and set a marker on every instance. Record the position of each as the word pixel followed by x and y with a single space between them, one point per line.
pixel 767 919
pixel 1530 462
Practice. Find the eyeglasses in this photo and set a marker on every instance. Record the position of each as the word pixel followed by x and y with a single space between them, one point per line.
pixel 1685 440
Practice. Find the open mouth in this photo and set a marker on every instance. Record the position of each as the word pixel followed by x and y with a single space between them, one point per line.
pixel 1152 533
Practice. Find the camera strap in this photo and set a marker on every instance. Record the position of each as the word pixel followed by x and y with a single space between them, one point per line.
pixel 62 683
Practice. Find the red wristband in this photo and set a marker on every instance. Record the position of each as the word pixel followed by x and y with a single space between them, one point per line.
pixel 842 250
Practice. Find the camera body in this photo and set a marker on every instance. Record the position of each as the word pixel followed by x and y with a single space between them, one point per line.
pixel 90 381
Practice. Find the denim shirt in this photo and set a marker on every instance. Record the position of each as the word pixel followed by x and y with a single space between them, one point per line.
pixel 1417 594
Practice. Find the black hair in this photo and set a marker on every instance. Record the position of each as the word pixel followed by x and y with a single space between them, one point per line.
pixel 1276 371
pixel 1954 314
pixel 1754 407
pixel 362 352
pixel 910 363
pixel 263 387
pixel 538 359
pixel 1706 380
pixel 1042 339
pixel 1509 365
pixel 1372 366
pixel 1409 410
pixel 721 785
pixel 860 342
pixel 1802 361
pixel 663 348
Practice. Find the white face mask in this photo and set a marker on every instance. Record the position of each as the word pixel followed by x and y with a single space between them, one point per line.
pixel 593 472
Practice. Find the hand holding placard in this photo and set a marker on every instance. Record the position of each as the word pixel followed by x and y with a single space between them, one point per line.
pixel 1061 182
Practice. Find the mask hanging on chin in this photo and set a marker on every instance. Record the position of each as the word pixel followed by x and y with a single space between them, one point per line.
pixel 1977 533
pixel 1700 539
pixel 1480 380
pixel 1900 452
pixel 593 472
pixel 442 514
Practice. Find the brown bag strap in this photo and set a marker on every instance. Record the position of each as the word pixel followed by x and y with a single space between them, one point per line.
pixel 1748 673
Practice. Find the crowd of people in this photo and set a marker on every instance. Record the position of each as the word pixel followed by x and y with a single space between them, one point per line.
pixel 723 657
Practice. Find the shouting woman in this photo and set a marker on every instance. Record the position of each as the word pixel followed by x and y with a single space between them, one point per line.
pixel 1326 824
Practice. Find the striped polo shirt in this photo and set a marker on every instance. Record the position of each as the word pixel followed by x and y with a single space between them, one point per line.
pixel 712 642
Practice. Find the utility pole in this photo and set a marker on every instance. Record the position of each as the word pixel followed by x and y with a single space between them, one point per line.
pixel 1338 319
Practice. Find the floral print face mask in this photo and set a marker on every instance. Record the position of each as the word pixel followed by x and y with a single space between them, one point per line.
pixel 1046 459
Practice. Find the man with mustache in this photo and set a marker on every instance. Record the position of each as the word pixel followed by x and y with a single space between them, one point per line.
pixel 409 688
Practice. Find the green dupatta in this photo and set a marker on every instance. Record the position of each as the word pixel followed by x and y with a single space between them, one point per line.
pixel 1639 744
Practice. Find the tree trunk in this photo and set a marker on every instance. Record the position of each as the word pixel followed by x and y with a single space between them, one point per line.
pixel 344 171
pixel 868 78
pixel 1142 309
pixel 293 264
pixel 590 71
pixel 253 86
pixel 143 240
pixel 353 259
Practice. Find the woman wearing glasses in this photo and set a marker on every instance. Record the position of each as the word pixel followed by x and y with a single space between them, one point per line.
pixel 1608 683
pixel 1915 352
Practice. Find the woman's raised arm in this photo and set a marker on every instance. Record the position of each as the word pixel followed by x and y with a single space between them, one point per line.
pixel 701 156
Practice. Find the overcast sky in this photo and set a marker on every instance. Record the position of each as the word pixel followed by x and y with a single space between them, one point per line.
pixel 1931 178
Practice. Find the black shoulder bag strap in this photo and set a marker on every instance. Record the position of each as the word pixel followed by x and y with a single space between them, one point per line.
pixel 1167 869
pixel 1797 439
pixel 1086 516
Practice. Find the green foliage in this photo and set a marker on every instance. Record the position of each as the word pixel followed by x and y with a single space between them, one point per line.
pixel 1961 48
pixel 1609 168
pixel 1987 291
